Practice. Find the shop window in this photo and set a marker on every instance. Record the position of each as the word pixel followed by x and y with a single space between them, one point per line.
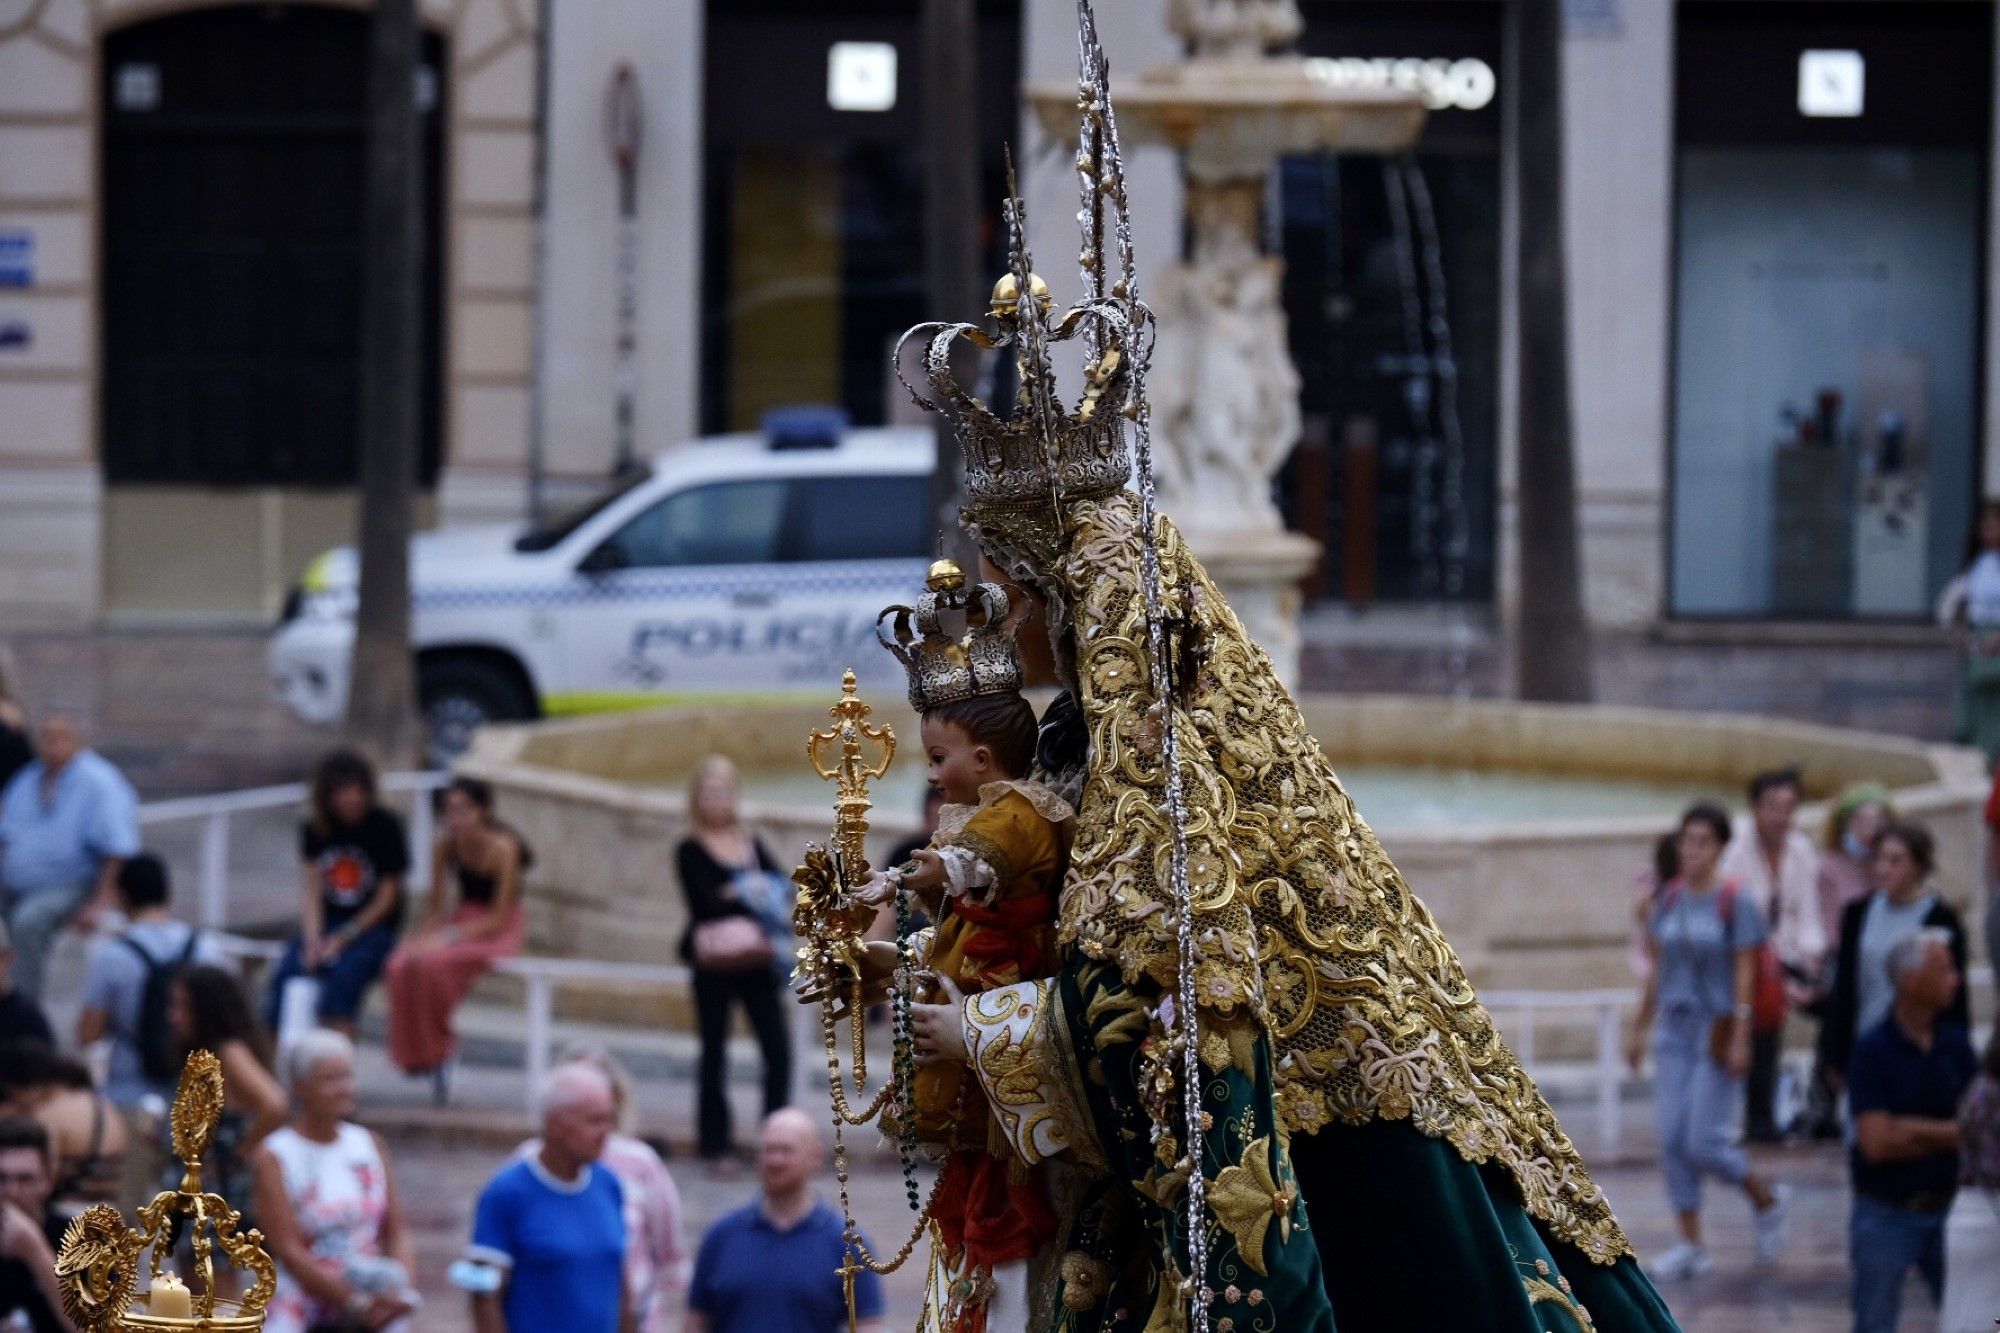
pixel 1827 335
pixel 813 245
pixel 233 154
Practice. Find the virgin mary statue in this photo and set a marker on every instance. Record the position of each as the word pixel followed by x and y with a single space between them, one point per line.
pixel 1371 1157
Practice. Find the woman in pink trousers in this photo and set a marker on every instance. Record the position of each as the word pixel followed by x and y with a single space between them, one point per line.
pixel 463 932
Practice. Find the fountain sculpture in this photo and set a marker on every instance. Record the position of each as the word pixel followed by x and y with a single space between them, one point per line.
pixel 1226 394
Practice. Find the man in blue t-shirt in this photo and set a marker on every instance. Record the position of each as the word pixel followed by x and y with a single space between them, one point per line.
pixel 773 1265
pixel 1904 1085
pixel 553 1224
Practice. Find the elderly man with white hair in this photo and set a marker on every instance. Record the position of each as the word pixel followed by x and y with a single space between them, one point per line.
pixel 67 821
pixel 552 1224
pixel 1904 1084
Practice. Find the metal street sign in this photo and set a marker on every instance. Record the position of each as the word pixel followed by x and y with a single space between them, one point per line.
pixel 17 257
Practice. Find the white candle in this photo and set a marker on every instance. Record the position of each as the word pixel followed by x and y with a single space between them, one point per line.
pixel 169 1297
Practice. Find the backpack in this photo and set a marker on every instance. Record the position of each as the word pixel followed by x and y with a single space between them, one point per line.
pixel 1768 1003
pixel 159 1053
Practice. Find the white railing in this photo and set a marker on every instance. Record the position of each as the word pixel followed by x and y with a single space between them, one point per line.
pixel 1609 1007
pixel 216 813
pixel 541 977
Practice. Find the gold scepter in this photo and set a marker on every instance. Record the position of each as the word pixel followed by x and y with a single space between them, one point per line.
pixel 832 927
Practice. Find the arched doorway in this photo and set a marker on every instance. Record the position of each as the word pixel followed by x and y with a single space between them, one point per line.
pixel 233 155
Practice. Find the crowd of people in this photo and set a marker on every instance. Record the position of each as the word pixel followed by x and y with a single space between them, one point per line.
pixel 1744 926
pixel 581 1229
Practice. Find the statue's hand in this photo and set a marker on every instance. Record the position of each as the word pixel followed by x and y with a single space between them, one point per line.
pixel 878 969
pixel 938 1030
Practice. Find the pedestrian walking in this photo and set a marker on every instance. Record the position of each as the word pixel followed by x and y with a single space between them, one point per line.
pixel 1902 902
pixel 1969 610
pixel 1695 1014
pixel 472 921
pixel 656 1250
pixel 354 855
pixel 550 1228
pixel 773 1265
pixel 1908 1075
pixel 1777 865
pixel 725 871
pixel 1846 875
pixel 1972 1227
pixel 68 820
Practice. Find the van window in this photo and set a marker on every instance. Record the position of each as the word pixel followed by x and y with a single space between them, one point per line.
pixel 860 518
pixel 729 523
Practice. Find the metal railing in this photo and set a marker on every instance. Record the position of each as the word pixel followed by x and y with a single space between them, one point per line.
pixel 216 812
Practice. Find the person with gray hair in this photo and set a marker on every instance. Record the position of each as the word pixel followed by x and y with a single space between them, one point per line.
pixel 548 1235
pixel 67 822
pixel 1904 1083
pixel 657 1257
pixel 327 1201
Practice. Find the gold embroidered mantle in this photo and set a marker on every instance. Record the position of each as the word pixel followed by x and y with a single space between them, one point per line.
pixel 1302 920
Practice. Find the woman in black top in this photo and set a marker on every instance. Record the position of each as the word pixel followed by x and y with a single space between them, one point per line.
pixel 1902 861
pixel 16 752
pixel 353 856
pixel 457 943
pixel 715 862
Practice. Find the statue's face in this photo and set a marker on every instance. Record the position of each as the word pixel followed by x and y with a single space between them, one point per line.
pixel 1038 658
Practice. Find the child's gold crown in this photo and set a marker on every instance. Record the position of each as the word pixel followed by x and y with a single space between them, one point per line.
pixel 957 642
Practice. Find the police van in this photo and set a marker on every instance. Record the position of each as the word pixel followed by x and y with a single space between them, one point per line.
pixel 748 566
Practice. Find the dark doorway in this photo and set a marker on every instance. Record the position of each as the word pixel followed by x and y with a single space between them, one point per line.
pixel 234 146
pixel 1392 290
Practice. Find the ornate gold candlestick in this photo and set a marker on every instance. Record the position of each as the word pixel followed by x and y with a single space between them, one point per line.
pixel 97 1267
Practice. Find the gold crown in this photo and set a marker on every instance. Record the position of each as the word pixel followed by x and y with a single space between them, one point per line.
pixel 956 643
pixel 100 1260
pixel 1045 453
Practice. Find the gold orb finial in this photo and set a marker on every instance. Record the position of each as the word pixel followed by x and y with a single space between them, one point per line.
pixel 1006 300
pixel 945 576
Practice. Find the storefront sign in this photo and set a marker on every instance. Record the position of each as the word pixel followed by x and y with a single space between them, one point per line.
pixel 1832 83
pixel 1444 85
pixel 861 76
pixel 17 258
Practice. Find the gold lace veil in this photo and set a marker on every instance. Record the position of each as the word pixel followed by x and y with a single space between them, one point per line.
pixel 1303 923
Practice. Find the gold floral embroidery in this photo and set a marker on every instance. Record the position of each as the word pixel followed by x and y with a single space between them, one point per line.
pixel 1246 1199
pixel 1085 1280
pixel 1303 922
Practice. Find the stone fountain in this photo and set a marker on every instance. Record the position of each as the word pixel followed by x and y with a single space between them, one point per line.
pixel 1225 391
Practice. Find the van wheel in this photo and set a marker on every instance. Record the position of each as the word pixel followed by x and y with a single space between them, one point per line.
pixel 461 694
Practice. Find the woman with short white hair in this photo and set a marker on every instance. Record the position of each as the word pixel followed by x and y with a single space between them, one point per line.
pixel 327 1202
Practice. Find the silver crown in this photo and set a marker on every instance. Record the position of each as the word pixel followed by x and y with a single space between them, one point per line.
pixel 956 643
pixel 1045 452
